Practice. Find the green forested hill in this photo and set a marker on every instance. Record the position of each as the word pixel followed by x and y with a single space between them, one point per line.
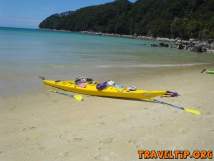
pixel 164 18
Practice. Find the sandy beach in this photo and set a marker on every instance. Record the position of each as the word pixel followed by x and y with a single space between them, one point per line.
pixel 130 49
pixel 51 127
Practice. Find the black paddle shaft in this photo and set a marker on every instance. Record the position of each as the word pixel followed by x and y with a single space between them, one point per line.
pixel 169 104
pixel 64 94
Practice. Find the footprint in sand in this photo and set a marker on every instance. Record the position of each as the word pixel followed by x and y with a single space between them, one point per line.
pixel 13 108
pixel 212 130
pixel 138 146
pixel 97 157
pixel 69 141
pixel 55 101
pixel 106 141
pixel 101 123
pixel 123 120
pixel 208 113
pixel 77 139
pixel 160 125
pixel 41 148
pixel 99 148
pixel 32 127
pixel 182 131
pixel 66 154
pixel 29 128
pixel 101 116
pixel 132 141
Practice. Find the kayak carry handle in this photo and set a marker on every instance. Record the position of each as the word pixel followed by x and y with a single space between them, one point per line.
pixel 171 94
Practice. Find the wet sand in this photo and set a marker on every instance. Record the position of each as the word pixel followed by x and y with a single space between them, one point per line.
pixel 51 127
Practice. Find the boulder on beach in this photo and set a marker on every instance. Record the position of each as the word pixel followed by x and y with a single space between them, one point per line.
pixel 180 46
pixel 199 48
pixel 163 44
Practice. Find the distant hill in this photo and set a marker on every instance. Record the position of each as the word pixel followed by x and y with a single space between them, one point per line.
pixel 164 18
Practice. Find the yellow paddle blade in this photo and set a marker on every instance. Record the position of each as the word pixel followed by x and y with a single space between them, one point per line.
pixel 79 98
pixel 193 111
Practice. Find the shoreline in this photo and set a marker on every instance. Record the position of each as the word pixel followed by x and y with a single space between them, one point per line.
pixel 102 73
pixel 190 45
pixel 193 45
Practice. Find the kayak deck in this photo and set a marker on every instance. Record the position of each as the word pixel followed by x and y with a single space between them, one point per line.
pixel 109 91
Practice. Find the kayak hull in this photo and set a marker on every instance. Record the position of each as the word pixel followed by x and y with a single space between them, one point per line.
pixel 110 91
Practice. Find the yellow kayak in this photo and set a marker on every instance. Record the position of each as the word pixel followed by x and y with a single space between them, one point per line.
pixel 110 91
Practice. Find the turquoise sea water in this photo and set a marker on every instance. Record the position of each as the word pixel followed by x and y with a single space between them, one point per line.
pixel 27 53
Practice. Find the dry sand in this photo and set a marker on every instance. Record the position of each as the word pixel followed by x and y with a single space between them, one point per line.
pixel 49 127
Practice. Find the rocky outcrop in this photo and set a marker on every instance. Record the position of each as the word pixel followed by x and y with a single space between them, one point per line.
pixel 196 45
pixel 191 44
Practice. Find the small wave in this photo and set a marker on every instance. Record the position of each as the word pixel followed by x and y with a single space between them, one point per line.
pixel 151 65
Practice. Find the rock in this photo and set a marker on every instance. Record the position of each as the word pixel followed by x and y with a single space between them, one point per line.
pixel 210 41
pixel 154 45
pixel 164 44
pixel 199 48
pixel 180 46
pixel 162 39
pixel 191 40
pixel 193 45
pixel 210 51
pixel 212 45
